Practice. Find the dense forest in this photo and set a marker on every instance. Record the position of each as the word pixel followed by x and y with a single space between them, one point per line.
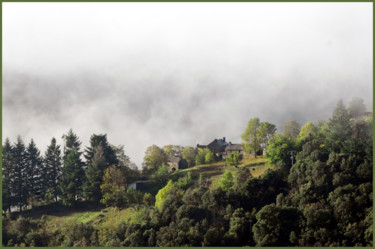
pixel 319 192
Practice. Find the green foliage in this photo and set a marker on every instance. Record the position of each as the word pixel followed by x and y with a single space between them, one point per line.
pixel 114 187
pixel 250 137
pixel 266 132
pixel 94 175
pixel 202 155
pixel 148 199
pixel 233 159
pixel 308 131
pixel 277 150
pixel 52 168
pixel 33 170
pixel 154 158
pixel 71 179
pixel 162 194
pixel 209 158
pixel 275 224
pixel 227 181
pixel 291 129
pixel 173 150
pixel 189 153
pixel 161 175
pixel 184 182
pixel 7 169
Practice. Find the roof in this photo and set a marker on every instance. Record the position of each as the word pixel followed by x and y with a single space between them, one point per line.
pixel 233 147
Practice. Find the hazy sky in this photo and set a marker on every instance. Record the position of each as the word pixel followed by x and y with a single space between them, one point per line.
pixel 178 73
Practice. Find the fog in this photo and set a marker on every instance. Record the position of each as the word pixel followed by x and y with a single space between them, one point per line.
pixel 178 73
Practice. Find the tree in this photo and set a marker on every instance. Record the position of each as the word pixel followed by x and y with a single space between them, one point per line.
pixel 250 137
pixel 109 153
pixel 356 108
pixel 275 225
pixel 291 129
pixel 130 169
pixel 161 175
pixel 33 170
pixel 94 175
pixel 71 143
pixel 18 188
pixel 233 159
pixel 154 158
pixel 277 150
pixel 227 181
pixel 338 128
pixel 162 195
pixel 173 150
pixel 204 156
pixel 7 169
pixel 266 132
pixel 71 179
pixel 70 184
pixel 114 187
pixel 209 157
pixel 307 131
pixel 52 168
pixel 189 153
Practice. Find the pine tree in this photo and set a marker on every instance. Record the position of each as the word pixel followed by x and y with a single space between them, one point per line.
pixel 71 180
pixel 72 173
pixel 7 167
pixel 18 187
pixel 99 156
pixel 52 168
pixel 338 128
pixel 33 170
pixel 94 175
pixel 108 152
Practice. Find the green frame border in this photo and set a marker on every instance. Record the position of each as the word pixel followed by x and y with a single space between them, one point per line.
pixel 193 1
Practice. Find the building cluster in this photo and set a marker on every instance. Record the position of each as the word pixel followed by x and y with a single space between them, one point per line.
pixel 219 147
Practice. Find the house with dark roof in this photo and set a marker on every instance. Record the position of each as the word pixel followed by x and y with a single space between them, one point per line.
pixel 217 146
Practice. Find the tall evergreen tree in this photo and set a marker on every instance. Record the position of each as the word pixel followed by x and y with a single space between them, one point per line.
pixel 71 178
pixel 33 170
pixel 338 128
pixel 72 143
pixel 18 187
pixel 7 167
pixel 94 175
pixel 52 168
pixel 99 156
pixel 72 173
pixel 108 152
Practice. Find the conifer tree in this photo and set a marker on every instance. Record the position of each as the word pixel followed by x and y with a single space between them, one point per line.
pixel 7 167
pixel 18 187
pixel 33 170
pixel 108 152
pixel 94 175
pixel 72 172
pixel 52 168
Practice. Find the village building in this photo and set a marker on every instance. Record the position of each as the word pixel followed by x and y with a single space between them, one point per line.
pixel 221 148
pixel 176 163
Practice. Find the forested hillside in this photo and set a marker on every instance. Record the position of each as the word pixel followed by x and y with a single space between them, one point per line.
pixel 311 187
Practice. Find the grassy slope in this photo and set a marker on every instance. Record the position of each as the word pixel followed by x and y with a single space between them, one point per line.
pixel 111 217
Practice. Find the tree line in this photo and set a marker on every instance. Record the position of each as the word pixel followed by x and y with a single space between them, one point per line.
pixel 29 177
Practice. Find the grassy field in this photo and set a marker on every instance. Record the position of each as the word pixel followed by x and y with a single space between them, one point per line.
pixel 106 218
